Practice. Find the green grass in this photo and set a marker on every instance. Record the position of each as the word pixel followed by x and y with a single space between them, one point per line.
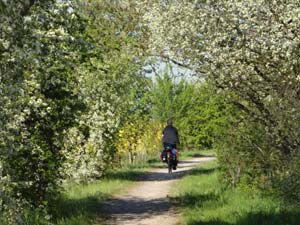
pixel 151 162
pixel 204 200
pixel 196 153
pixel 80 204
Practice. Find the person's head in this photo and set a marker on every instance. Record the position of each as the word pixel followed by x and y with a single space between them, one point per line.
pixel 170 122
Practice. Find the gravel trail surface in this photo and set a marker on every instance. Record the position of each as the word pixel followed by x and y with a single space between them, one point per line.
pixel 147 202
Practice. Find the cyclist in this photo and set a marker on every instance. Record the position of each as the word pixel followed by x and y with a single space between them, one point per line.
pixel 170 138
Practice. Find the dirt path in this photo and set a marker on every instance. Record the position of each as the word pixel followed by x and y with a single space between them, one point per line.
pixel 147 202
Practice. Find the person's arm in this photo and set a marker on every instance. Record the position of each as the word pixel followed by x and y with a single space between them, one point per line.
pixel 177 136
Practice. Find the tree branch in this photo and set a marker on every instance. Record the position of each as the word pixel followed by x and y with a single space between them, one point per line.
pixel 27 7
pixel 180 64
pixel 175 62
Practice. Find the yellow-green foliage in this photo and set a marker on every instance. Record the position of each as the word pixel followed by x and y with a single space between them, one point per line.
pixel 139 139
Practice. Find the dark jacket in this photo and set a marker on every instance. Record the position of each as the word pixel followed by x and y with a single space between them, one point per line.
pixel 170 135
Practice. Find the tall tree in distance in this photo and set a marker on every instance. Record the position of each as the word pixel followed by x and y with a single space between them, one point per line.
pixel 163 94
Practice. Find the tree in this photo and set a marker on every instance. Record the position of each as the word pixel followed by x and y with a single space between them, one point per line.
pixel 38 101
pixel 205 115
pixel 66 74
pixel 250 49
pixel 198 112
pixel 108 82
pixel 255 55
pixel 163 96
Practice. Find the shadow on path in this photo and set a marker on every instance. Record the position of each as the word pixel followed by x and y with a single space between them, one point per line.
pixel 164 176
pixel 148 201
pixel 184 167
pixel 199 155
pixel 130 208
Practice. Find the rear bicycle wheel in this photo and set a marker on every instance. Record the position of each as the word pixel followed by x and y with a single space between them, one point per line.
pixel 170 165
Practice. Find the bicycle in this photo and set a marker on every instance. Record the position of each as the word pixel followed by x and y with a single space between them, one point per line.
pixel 171 161
pixel 169 156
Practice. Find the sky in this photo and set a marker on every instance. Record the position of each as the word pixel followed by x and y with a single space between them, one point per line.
pixel 160 66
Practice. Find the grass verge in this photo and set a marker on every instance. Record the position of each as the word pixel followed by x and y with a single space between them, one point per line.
pixel 204 200
pixel 197 153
